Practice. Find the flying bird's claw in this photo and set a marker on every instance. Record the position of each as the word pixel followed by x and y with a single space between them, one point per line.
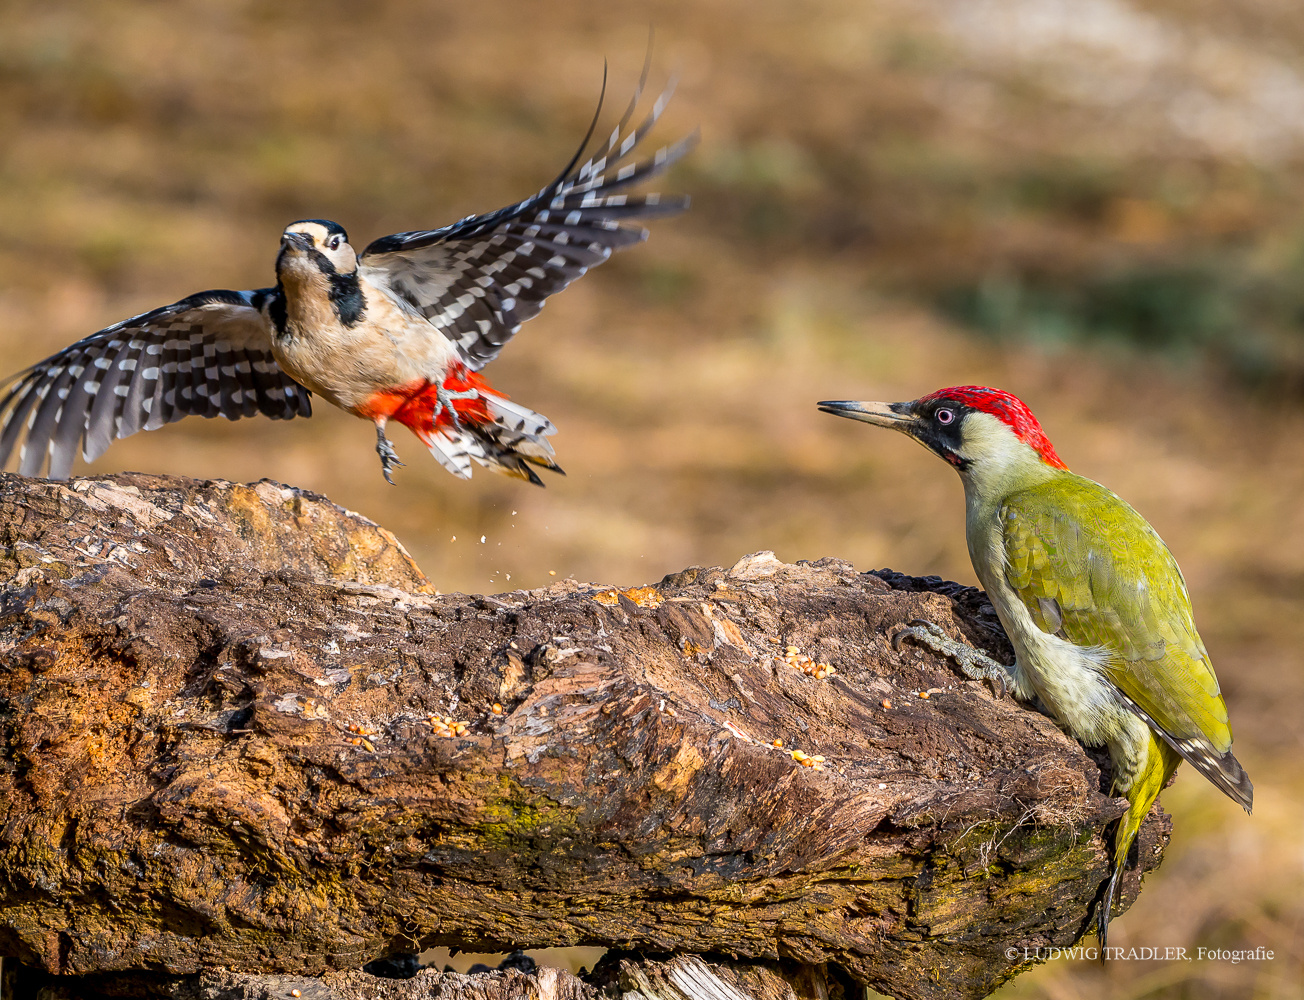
pixel 388 456
pixel 444 397
pixel 973 663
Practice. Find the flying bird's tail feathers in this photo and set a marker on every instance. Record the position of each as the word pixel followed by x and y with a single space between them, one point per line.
pixel 473 422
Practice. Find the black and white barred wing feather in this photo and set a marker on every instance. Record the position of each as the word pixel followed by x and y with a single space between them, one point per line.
pixel 208 355
pixel 479 279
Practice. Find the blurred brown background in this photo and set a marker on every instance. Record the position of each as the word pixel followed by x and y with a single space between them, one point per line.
pixel 1094 204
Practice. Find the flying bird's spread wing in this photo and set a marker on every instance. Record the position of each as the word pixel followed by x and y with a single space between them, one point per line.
pixel 1130 603
pixel 479 279
pixel 209 354
pixel 475 281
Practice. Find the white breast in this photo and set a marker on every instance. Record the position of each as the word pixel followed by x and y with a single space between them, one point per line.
pixel 1068 679
pixel 388 348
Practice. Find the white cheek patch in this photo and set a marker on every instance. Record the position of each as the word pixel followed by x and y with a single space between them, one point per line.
pixel 989 438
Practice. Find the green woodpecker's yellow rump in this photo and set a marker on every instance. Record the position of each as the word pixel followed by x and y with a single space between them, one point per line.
pixel 1092 600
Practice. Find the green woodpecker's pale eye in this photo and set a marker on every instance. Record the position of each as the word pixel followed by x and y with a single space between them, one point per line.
pixel 944 416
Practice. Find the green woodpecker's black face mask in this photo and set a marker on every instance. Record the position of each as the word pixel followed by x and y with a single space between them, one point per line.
pixel 939 427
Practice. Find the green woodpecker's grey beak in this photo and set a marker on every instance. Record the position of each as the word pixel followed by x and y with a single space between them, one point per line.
pixel 895 415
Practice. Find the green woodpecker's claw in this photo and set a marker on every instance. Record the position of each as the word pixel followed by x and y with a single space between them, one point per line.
pixel 973 663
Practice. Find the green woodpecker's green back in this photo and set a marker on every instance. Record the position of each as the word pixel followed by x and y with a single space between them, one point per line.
pixel 1090 569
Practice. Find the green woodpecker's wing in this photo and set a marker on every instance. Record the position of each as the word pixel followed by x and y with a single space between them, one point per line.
pixel 1090 569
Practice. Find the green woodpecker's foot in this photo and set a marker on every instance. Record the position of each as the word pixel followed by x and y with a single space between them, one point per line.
pixel 973 663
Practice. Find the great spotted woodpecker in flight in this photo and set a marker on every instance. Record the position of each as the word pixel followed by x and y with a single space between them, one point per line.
pixel 398 332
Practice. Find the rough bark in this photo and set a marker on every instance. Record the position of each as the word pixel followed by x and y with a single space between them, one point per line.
pixel 221 711
pixel 619 976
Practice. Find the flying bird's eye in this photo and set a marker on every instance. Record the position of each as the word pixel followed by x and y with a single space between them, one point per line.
pixel 944 416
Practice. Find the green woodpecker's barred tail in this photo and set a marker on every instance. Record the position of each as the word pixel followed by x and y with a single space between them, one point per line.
pixel 1220 767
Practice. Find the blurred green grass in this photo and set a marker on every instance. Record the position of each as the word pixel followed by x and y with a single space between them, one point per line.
pixel 888 198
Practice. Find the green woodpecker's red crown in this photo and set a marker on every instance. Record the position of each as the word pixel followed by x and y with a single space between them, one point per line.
pixel 1006 407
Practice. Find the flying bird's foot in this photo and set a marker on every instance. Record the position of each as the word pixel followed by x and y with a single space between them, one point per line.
pixel 388 456
pixel 973 663
pixel 444 397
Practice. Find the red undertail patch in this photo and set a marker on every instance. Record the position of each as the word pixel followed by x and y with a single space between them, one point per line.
pixel 415 404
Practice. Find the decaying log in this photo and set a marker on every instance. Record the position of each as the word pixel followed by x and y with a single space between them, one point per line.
pixel 241 729
pixel 619 976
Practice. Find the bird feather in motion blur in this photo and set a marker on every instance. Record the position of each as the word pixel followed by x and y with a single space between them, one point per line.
pixel 1090 596
pixel 398 332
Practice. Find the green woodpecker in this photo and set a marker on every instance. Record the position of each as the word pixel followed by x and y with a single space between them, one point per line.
pixel 1092 600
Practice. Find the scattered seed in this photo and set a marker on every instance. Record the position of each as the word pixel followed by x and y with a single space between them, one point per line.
pixel 497 709
pixel 295 993
pixel 886 703
pixel 446 725
pixel 778 743
pixel 552 572
pixel 923 694
pixel 368 744
pixel 807 665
